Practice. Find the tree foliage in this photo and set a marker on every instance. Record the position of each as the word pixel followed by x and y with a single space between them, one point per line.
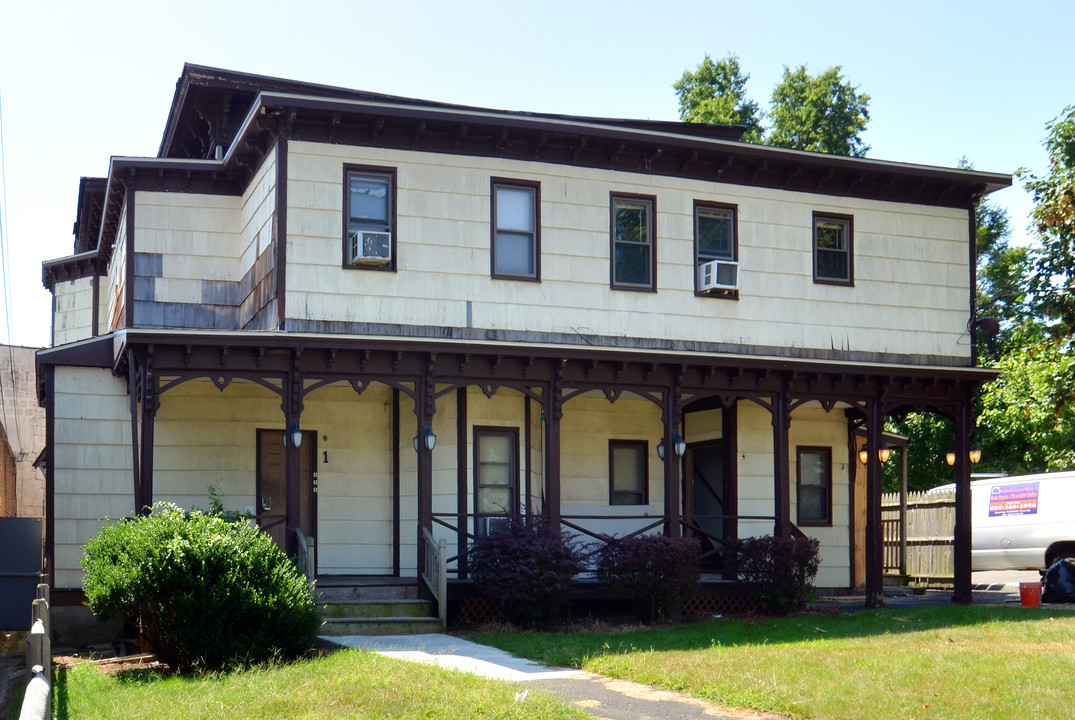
pixel 822 113
pixel 716 93
pixel 1054 223
pixel 1027 417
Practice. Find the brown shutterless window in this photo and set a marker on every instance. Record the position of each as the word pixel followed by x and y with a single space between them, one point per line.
pixel 628 472
pixel 633 242
pixel 369 218
pixel 515 229
pixel 813 486
pixel 716 237
pixel 834 249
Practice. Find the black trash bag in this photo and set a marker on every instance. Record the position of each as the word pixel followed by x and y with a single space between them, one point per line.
pixel 1059 582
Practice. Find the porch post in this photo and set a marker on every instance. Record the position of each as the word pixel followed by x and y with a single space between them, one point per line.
pixel 672 461
pixel 150 403
pixel 134 384
pixel 424 408
pixel 961 554
pixel 781 463
pixel 554 412
pixel 292 413
pixel 875 596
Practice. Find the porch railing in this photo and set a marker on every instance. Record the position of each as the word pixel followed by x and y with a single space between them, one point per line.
pixel 435 573
pixel 303 555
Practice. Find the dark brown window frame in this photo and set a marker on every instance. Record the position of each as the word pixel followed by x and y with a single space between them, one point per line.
pixel 513 433
pixel 835 217
pixel 535 188
pixel 812 522
pixel 644 446
pixel 374 171
pixel 651 200
pixel 734 209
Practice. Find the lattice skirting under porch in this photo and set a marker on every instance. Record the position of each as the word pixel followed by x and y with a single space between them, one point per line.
pixel 708 606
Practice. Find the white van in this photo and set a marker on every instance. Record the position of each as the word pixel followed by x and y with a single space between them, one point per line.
pixel 1022 523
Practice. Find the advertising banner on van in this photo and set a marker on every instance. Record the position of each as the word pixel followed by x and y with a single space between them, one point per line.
pixel 1016 499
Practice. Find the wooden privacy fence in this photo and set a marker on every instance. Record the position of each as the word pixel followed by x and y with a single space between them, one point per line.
pixel 919 544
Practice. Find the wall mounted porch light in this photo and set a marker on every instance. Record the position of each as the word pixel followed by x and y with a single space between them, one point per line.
pixel 974 455
pixel 679 444
pixel 294 434
pixel 884 452
pixel 428 438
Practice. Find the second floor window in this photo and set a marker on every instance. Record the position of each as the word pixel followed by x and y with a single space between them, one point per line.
pixel 634 254
pixel 833 250
pixel 715 249
pixel 370 215
pixel 516 225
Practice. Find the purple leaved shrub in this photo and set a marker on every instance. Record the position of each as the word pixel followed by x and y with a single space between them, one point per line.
pixel 525 566
pixel 658 572
pixel 782 569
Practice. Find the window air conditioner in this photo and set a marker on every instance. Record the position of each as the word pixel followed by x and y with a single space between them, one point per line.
pixel 718 275
pixel 368 247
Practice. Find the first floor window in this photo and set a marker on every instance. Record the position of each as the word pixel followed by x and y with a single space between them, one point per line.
pixel 627 477
pixel 515 229
pixel 833 256
pixel 633 246
pixel 369 218
pixel 814 485
pixel 496 469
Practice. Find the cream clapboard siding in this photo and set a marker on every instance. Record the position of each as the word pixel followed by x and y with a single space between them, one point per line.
pixel 813 427
pixel 117 277
pixel 911 268
pixel 91 461
pixel 196 234
pixel 809 427
pixel 207 437
pixel 72 317
pixel 589 422
pixel 258 207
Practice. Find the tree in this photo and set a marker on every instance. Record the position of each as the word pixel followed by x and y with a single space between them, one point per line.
pixel 823 113
pixel 1027 418
pixel 716 93
pixel 1054 222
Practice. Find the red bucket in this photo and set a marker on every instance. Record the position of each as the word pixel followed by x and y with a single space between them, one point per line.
pixel 1030 594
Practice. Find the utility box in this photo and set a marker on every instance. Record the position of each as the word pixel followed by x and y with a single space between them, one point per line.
pixel 20 570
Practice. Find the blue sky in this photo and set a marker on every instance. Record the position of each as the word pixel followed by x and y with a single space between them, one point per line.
pixel 80 82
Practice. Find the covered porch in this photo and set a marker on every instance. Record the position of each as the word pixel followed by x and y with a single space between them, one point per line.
pixel 447 407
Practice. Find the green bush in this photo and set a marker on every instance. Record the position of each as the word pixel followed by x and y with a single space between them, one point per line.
pixel 209 593
pixel 526 567
pixel 782 569
pixel 658 572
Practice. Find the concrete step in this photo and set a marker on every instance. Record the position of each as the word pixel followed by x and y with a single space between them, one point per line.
pixel 376 608
pixel 379 626
pixel 348 593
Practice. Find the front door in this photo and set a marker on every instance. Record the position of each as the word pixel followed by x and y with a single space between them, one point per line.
pixel 272 485
pixel 706 495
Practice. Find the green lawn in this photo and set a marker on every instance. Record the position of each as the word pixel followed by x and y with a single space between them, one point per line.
pixel 952 662
pixel 346 684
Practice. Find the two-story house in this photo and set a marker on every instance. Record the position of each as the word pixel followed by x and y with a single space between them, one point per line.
pixel 368 318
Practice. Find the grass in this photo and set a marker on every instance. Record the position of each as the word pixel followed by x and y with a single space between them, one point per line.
pixel 955 662
pixel 346 684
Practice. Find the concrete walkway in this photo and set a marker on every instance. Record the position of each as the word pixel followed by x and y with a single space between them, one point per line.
pixel 602 697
